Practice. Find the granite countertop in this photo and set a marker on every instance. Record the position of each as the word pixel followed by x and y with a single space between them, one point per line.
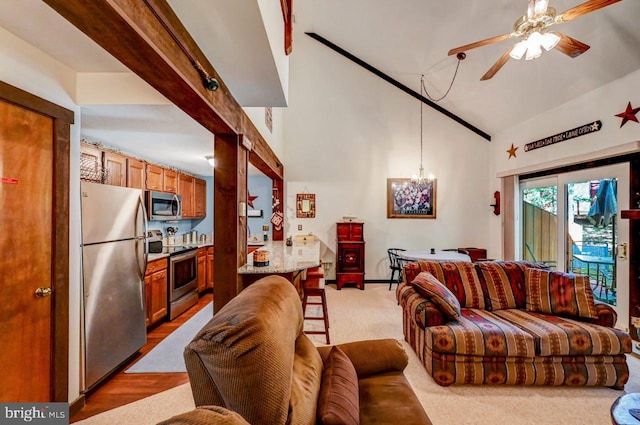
pixel 153 257
pixel 285 259
pixel 157 256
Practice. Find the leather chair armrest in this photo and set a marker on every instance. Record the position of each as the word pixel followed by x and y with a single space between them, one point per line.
pixel 372 357
pixel 206 415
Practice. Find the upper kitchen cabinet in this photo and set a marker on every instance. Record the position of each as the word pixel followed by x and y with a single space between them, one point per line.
pixel 161 179
pixel 186 190
pixel 170 181
pixel 116 167
pixel 200 201
pixel 135 173
pixel 154 177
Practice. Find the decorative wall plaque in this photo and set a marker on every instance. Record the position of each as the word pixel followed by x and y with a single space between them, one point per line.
pixel 305 205
pixel 566 135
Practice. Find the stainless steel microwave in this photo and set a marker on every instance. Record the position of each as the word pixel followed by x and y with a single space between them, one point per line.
pixel 162 206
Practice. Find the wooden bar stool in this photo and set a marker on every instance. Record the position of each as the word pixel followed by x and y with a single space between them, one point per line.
pixel 314 287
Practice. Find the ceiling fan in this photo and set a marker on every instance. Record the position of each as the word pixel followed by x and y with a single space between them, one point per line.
pixel 531 27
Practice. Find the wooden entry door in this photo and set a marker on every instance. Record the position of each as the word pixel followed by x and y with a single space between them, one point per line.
pixel 26 152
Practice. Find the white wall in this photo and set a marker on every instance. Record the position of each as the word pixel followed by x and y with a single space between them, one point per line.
pixel 601 104
pixel 274 138
pixel 30 70
pixel 347 131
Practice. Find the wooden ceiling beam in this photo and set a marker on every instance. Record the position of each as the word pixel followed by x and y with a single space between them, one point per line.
pixel 148 38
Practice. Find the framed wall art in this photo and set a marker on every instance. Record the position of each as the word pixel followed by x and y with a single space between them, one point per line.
pixel 406 199
pixel 305 205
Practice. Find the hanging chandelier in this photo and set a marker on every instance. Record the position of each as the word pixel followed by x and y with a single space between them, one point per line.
pixel 419 178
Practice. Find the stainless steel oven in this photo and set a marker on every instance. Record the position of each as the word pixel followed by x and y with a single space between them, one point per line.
pixel 183 281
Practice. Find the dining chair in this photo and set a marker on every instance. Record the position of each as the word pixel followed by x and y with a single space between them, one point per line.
pixel 395 264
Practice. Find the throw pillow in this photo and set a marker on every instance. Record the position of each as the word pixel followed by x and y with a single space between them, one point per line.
pixel 429 287
pixel 338 401
pixel 558 293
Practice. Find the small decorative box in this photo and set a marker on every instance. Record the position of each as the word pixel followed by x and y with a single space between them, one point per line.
pixel 260 258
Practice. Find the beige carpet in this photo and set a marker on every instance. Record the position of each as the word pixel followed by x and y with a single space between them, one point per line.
pixel 373 313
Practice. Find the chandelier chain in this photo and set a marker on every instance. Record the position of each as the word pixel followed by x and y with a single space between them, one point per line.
pixel 448 90
pixel 421 87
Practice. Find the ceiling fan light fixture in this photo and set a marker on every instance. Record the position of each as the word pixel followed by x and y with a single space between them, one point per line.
pixel 533 52
pixel 534 49
pixel 518 50
pixel 549 40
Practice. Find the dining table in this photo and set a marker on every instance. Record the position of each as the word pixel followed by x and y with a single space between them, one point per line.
pixel 433 255
pixel 602 264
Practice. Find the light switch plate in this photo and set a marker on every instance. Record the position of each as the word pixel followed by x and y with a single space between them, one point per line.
pixel 299 226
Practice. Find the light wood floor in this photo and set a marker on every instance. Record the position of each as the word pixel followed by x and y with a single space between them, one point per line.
pixel 123 388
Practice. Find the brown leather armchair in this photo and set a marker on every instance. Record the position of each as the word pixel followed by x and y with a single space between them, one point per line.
pixel 253 358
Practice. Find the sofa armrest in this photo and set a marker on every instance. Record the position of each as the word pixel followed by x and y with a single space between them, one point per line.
pixel 607 316
pixel 372 357
pixel 428 314
pixel 420 309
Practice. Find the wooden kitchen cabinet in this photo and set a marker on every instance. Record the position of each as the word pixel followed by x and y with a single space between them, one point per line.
pixel 136 173
pixel 154 177
pixel 200 198
pixel 350 254
pixel 161 179
pixel 186 190
pixel 210 267
pixel 169 181
pixel 116 168
pixel 156 286
pixel 202 269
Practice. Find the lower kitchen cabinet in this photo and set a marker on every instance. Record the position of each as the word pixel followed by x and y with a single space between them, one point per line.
pixel 202 269
pixel 155 287
pixel 210 267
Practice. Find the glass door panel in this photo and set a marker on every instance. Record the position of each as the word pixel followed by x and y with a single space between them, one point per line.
pixel 589 238
pixel 592 234
pixel 539 224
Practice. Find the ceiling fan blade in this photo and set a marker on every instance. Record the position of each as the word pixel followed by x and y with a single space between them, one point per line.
pixel 570 46
pixel 496 66
pixel 479 44
pixel 583 9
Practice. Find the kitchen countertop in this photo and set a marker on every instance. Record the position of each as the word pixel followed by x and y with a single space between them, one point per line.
pixel 285 259
pixel 157 256
pixel 153 257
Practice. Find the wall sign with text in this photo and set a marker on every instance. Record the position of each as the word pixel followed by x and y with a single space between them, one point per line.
pixel 565 135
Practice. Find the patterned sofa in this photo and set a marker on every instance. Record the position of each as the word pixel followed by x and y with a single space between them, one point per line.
pixel 510 322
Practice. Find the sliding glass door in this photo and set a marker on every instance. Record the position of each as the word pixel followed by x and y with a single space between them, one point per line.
pixel 571 222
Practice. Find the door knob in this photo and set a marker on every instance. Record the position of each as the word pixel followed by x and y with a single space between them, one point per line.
pixel 43 292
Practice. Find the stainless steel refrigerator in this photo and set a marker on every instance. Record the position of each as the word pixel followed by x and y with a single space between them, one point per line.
pixel 114 259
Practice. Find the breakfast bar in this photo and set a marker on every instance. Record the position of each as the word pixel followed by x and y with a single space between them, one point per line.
pixel 287 261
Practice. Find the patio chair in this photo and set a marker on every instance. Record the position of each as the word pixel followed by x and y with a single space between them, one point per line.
pixel 550 263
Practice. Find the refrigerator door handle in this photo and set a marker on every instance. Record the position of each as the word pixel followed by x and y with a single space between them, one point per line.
pixel 145 257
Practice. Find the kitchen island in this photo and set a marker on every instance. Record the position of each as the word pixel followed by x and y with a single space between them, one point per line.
pixel 287 261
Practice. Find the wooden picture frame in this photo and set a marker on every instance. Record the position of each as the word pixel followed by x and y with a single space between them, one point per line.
pixel 406 199
pixel 305 205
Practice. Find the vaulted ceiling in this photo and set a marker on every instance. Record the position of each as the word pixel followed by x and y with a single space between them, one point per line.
pixel 412 37
pixel 403 39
